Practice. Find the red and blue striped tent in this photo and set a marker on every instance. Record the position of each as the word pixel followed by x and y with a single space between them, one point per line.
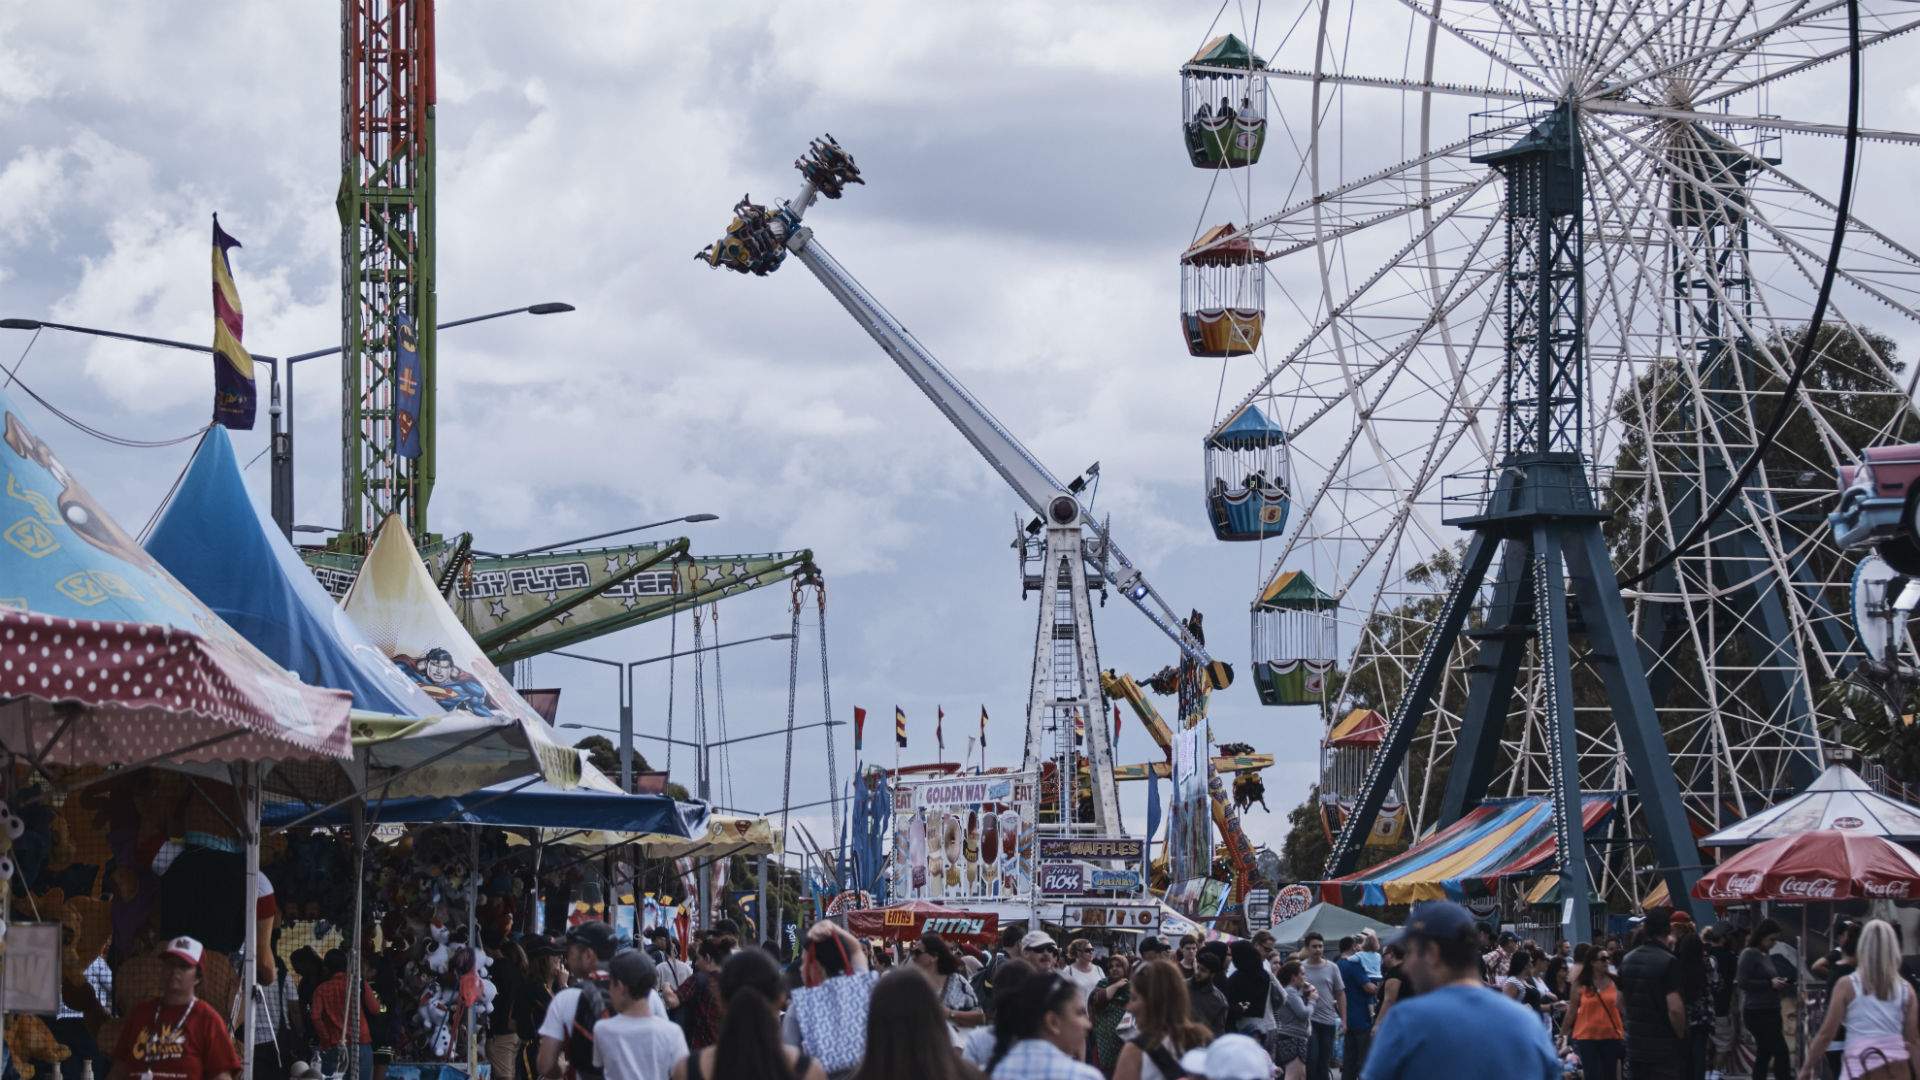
pixel 1497 839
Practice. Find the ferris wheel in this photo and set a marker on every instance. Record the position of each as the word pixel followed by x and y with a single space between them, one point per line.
pixel 1349 273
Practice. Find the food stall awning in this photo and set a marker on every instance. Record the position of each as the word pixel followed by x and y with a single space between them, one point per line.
pixel 1839 799
pixel 1497 839
pixel 214 539
pixel 910 920
pixel 111 661
pixel 528 803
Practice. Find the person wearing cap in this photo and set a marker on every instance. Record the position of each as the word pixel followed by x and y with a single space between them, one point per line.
pixel 1152 948
pixel 176 1035
pixel 1651 1006
pixel 1038 948
pixel 1229 1057
pixel 1456 1025
pixel 635 1043
pixel 578 1009
pixel 330 1017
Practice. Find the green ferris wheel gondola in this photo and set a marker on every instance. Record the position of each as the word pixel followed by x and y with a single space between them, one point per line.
pixel 1295 637
pixel 1224 100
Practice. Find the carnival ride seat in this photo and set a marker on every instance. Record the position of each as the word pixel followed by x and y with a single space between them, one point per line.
pixel 1295 640
pixel 1222 293
pixel 1246 478
pixel 1226 137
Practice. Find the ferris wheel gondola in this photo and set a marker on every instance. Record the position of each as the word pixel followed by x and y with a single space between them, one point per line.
pixel 1706 220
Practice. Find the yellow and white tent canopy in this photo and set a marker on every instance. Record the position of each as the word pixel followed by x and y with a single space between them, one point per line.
pixel 726 834
pixel 396 605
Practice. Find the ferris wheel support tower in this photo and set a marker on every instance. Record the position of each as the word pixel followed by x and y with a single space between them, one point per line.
pixel 1066 552
pixel 1540 508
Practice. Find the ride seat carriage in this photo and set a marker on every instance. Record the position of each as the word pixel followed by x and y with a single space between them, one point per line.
pixel 1246 476
pixel 1224 102
pixel 1223 293
pixel 1295 637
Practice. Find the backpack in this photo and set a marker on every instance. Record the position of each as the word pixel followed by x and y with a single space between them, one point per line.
pixel 592 1008
pixel 982 982
pixel 1168 1065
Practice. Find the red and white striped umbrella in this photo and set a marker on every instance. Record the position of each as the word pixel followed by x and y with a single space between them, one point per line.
pixel 1822 864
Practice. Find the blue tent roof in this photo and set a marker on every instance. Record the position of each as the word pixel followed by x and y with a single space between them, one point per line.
pixel 520 804
pixel 218 543
pixel 1251 428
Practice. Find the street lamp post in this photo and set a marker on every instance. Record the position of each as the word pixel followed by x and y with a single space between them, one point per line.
pixel 627 667
pixel 280 436
pixel 703 751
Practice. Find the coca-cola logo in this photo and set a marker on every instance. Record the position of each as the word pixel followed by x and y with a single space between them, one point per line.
pixel 1736 885
pixel 1894 890
pixel 1847 823
pixel 1822 888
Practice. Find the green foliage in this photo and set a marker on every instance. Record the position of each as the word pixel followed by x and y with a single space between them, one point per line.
pixel 1303 856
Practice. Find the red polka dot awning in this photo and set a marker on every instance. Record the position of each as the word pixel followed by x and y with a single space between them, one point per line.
pixel 106 659
pixel 87 692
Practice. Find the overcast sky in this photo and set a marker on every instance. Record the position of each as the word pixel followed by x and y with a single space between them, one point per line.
pixel 1027 198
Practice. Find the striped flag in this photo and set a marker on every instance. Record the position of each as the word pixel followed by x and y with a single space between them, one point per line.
pixel 983 727
pixel 939 737
pixel 233 397
pixel 900 727
pixel 859 725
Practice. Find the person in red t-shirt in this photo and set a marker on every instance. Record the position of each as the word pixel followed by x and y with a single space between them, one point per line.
pixel 176 1036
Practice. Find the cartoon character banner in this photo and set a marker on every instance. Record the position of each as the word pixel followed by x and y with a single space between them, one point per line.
pixel 964 837
pixel 397 606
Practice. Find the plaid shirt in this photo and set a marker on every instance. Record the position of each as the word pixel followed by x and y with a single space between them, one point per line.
pixel 1038 1059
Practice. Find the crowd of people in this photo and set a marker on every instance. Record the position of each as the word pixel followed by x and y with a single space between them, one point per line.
pixel 1445 996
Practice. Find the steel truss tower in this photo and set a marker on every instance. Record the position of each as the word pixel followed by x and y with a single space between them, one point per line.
pixel 1712 302
pixel 1540 514
pixel 386 260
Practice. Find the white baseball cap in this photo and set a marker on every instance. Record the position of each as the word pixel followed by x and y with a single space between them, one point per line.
pixel 187 949
pixel 1038 939
pixel 1229 1057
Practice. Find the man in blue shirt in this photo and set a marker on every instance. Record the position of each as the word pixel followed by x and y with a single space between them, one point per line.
pixel 1456 1026
pixel 1362 991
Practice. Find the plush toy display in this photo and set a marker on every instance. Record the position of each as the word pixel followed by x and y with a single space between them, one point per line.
pixel 31 1046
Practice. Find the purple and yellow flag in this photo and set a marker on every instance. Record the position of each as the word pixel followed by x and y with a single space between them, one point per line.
pixel 899 726
pixel 939 737
pixel 233 395
pixel 983 727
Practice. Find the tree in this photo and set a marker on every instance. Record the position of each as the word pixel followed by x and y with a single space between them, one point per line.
pixel 602 755
pixel 1303 855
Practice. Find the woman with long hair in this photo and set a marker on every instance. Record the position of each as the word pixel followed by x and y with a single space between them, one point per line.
pixel 1760 1007
pixel 1593 1023
pixel 935 959
pixel 1007 978
pixel 1249 993
pixel 1164 1016
pixel 752 993
pixel 1878 1008
pixel 1696 998
pixel 907 1034
pixel 1040 1032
